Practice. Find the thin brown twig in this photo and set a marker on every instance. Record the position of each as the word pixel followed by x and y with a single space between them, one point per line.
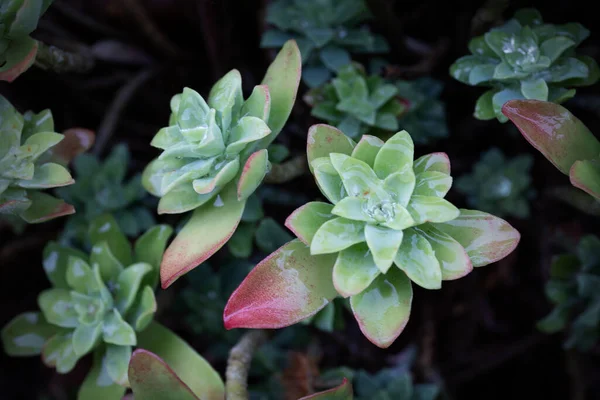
pixel 287 171
pixel 238 364
pixel 149 28
pixel 61 60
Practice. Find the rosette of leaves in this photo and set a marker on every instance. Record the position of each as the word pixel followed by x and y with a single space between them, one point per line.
pixel 18 18
pixel 327 32
pixel 32 158
pixel 101 188
pixel 569 145
pixel 99 303
pixel 525 59
pixel 499 185
pixel 214 156
pixel 574 289
pixel 356 103
pixel 424 115
pixel 387 224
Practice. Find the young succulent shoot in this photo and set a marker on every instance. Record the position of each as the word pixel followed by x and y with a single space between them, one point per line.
pixel 525 59
pixel 99 303
pixel 562 138
pixel 32 158
pixel 214 156
pixel 499 185
pixel 18 18
pixel 574 289
pixel 101 188
pixel 327 33
pixel 386 224
pixel 357 104
pixel 424 115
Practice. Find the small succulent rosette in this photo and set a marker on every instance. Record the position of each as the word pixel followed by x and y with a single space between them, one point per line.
pixel 101 188
pixel 525 59
pixel 357 104
pixel 214 156
pixel 33 158
pixel 568 145
pixel 327 33
pixel 574 289
pixel 499 185
pixel 99 303
pixel 387 224
pixel 18 18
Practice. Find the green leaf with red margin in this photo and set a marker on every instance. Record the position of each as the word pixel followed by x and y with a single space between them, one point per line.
pixel 75 142
pixel 152 379
pixel 189 366
pixel 342 392
pixel 485 237
pixel 252 174
pixel 325 139
pixel 19 57
pixel 209 228
pixel 382 310
pixel 438 162
pixel 560 136
pixel 98 385
pixel 45 207
pixel 306 220
pixel 282 79
pixel 283 289
pixel 585 175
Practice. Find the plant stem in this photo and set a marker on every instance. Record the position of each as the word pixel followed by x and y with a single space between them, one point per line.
pixel 50 57
pixel 238 364
pixel 287 171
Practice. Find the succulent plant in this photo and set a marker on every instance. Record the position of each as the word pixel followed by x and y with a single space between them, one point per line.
pixel 388 224
pixel 525 59
pixel 98 303
pixel 424 115
pixel 326 31
pixel 499 185
pixel 215 156
pixel 32 158
pixel 18 18
pixel 357 104
pixel 101 188
pixel 574 289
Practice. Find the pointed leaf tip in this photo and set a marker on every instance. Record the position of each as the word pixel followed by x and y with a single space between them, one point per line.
pixel 341 392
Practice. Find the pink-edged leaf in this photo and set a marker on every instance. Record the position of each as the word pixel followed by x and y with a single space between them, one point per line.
pixel 18 60
pixel 439 162
pixel 452 256
pixel 282 79
pixel 560 136
pixel 98 385
pixel 382 310
pixel 45 207
pixel 286 287
pixel 325 139
pixel 152 379
pixel 306 220
pixel 183 361
pixel 585 175
pixel 254 171
pixel 486 238
pixel 209 228
pixel 75 142
pixel 341 392
pixel 14 206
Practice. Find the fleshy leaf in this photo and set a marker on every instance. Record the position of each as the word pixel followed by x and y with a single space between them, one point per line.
pixel 45 207
pixel 56 262
pixel 433 183
pixel 384 244
pixel 585 175
pixel 306 220
pixel 258 104
pixel 80 276
pixel 209 228
pixel 323 140
pixel 75 142
pixel 354 270
pixel 253 173
pixel 337 234
pixel 453 259
pixel 431 209
pixel 116 361
pixel 432 162
pixel 116 331
pixel 150 247
pixel 105 229
pixel 486 238
pixel 417 259
pixel 367 148
pixel 382 310
pixel 341 392
pixel 143 310
pixel 58 352
pixel 20 59
pixel 396 155
pixel 98 385
pixel 110 268
pixel 283 289
pixel 128 285
pixel 26 334
pixel 56 306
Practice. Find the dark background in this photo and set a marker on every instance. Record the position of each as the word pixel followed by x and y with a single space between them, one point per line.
pixel 477 334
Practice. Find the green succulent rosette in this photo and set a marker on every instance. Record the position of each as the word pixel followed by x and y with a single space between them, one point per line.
pixel 327 33
pixel 18 18
pixel 499 185
pixel 357 104
pixel 102 187
pixel 525 59
pixel 31 160
pixel 574 289
pixel 99 303
pixel 386 225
